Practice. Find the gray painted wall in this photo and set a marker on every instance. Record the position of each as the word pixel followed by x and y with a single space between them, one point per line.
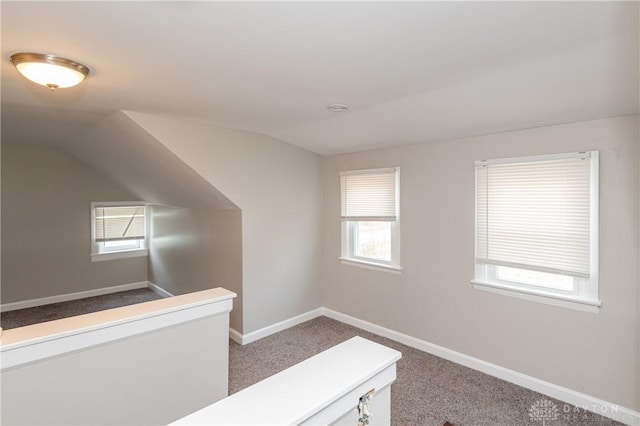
pixel 119 148
pixel 192 250
pixel 596 354
pixel 278 188
pixel 46 196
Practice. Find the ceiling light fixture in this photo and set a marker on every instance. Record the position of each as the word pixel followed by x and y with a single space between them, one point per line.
pixel 49 70
pixel 337 107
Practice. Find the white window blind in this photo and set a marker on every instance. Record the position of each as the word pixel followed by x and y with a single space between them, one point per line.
pixel 535 213
pixel 369 195
pixel 117 223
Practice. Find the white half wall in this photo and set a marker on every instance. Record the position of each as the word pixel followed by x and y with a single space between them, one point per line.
pixel 144 364
pixel 278 188
pixel 593 353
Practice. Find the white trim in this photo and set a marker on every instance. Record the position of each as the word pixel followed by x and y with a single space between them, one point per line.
pixel 594 226
pixel 370 265
pixel 598 406
pixel 124 254
pixel 369 171
pixel 535 158
pixel 118 203
pixel 244 339
pixel 158 290
pixel 235 336
pixel 96 255
pixel 540 296
pixel 161 316
pixel 6 307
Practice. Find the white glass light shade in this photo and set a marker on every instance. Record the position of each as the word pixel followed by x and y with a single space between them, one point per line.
pixel 51 71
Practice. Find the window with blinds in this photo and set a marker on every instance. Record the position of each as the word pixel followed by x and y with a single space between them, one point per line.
pixel 369 195
pixel 536 223
pixel 118 228
pixel 370 220
pixel 117 223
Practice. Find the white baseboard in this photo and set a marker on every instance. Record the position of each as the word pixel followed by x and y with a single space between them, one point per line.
pixel 71 296
pixel 604 408
pixel 235 336
pixel 244 339
pixel 159 290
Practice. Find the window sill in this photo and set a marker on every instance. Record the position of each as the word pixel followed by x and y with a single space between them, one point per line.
pixel 99 257
pixel 370 265
pixel 541 296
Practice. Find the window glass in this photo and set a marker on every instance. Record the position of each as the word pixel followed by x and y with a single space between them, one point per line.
pixel 373 240
pixel 118 229
pixel 535 278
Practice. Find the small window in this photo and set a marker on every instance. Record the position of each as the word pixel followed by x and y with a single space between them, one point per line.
pixel 119 229
pixel 370 218
pixel 537 228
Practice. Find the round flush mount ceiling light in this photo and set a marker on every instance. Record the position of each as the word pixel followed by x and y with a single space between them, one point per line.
pixel 49 70
pixel 337 107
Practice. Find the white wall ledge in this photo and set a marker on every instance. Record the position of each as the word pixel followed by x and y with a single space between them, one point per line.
pixel 123 254
pixel 547 298
pixel 370 265
pixel 36 342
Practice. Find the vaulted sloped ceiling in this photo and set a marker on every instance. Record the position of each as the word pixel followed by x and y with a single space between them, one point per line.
pixel 119 148
pixel 410 71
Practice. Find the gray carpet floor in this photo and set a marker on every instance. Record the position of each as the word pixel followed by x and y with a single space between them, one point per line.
pixel 54 311
pixel 428 390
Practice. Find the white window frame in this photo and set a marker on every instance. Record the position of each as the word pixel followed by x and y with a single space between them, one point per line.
pixel 584 296
pixel 100 253
pixel 349 234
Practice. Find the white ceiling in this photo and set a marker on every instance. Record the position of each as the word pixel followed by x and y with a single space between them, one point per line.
pixel 410 71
